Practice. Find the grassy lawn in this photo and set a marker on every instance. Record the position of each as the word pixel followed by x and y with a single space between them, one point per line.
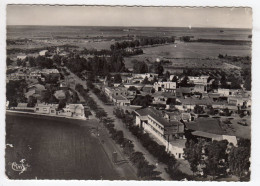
pixel 55 148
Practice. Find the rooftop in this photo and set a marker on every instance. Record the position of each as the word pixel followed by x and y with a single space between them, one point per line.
pixel 157 115
pixel 196 101
pixel 119 97
pixel 209 125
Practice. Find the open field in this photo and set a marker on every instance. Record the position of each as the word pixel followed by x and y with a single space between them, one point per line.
pixel 181 53
pixel 55 148
pixel 81 43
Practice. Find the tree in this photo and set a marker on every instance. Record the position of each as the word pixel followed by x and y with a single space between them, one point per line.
pixel 117 78
pixel 8 61
pixel 223 81
pixel 140 67
pixel 216 161
pixel 132 88
pixel 146 81
pixel 62 104
pixel 90 84
pixel 75 97
pixel 57 59
pixel 235 83
pixel 137 157
pixel 100 114
pixel 247 83
pixel 175 79
pixel 128 147
pixel 239 158
pixel 184 82
pixel 198 109
pixel 19 62
pixel 118 137
pixel 157 68
pixel 193 154
pixel 15 92
pixel 215 84
pixel 185 38
pixel 167 75
pixel 32 62
pixel 31 101
pixel 144 101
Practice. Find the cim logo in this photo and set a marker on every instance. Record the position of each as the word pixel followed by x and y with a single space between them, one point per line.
pixel 19 167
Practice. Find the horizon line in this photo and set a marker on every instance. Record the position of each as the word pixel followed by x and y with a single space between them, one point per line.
pixel 139 26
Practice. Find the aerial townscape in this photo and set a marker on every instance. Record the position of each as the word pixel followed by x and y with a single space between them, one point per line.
pixel 128 103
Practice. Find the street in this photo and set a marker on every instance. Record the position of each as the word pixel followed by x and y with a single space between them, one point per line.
pixel 120 126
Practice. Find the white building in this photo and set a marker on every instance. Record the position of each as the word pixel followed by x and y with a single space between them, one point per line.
pixel 43 52
pixel 169 133
pixel 198 79
pixel 22 57
pixel 165 86
pixel 150 76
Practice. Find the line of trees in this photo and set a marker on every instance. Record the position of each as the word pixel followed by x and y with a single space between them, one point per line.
pixel 145 171
pixel 142 42
pixel 97 65
pixel 158 151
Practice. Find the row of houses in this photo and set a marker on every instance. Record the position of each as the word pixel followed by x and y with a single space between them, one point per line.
pixel 70 110
pixel 28 74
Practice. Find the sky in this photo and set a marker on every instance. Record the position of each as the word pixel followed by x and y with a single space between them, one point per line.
pixel 129 16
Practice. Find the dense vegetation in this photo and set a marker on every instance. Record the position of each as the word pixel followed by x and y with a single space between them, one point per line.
pixel 142 42
pixel 218 158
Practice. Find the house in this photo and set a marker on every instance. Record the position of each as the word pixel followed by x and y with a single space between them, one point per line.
pixel 120 100
pixel 43 108
pixel 35 90
pixel 166 131
pixel 21 57
pixel 229 92
pixel 198 80
pixel 184 91
pixel 165 86
pixel 37 86
pixel 159 100
pixel 163 98
pixel 239 101
pixel 115 91
pixel 43 52
pixel 200 88
pixel 73 110
pixel 35 75
pixel 217 137
pixel 210 129
pixel 138 86
pixel 149 76
pixel 51 73
pixel 147 88
pixel 16 76
pixel 190 102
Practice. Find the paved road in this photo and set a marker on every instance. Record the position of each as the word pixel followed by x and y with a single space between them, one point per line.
pixel 137 145
pixel 126 170
pixel 120 126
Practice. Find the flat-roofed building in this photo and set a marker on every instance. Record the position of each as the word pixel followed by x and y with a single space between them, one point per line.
pixel 165 86
pixel 166 131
